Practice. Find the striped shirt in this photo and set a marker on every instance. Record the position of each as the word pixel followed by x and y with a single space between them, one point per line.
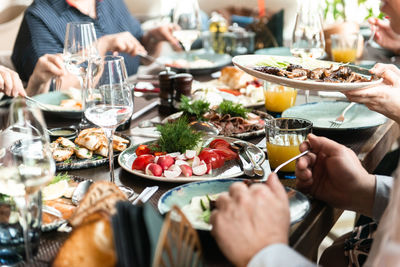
pixel 43 30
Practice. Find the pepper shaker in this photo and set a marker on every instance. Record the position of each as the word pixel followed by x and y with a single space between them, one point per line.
pixel 166 95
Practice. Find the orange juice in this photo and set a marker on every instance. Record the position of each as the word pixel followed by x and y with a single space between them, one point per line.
pixel 278 98
pixel 344 54
pixel 283 148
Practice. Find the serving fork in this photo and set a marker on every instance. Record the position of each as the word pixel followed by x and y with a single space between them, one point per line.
pixel 339 120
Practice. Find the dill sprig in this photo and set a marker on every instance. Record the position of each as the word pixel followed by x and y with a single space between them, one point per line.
pixel 235 110
pixel 197 108
pixel 59 177
pixel 177 136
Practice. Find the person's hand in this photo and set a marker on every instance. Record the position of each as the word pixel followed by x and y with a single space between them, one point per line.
pixel 47 67
pixel 332 173
pixel 123 42
pixel 10 83
pixel 163 33
pixel 250 218
pixel 384 34
pixel 383 98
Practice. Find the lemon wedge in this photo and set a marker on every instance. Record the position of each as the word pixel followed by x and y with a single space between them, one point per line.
pixel 55 191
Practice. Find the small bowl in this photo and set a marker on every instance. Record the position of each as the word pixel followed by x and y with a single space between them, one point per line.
pixel 66 132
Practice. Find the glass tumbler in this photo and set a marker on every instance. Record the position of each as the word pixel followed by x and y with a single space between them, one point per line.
pixel 344 47
pixel 284 135
pixel 278 98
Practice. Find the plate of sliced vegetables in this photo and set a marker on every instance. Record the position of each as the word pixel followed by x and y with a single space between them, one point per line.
pixel 181 155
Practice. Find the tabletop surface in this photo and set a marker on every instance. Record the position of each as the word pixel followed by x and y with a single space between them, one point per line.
pixel 370 145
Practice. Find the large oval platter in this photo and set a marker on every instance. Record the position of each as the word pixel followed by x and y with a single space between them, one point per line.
pixel 182 195
pixel 230 169
pixel 52 100
pixel 248 62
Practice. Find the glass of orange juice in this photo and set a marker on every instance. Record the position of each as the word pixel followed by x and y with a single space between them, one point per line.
pixel 284 135
pixel 278 98
pixel 344 47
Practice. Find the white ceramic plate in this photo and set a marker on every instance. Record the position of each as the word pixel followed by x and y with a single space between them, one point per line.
pixel 320 113
pixel 248 62
pixel 229 170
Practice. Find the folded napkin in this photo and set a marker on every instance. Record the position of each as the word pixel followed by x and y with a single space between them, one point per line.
pixel 136 230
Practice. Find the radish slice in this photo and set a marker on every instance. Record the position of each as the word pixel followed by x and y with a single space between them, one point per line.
pixel 174 155
pixel 181 157
pixel 200 170
pixel 186 170
pixel 172 174
pixel 190 154
pixel 196 161
pixel 181 162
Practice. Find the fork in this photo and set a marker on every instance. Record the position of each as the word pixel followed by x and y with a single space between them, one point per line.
pixel 339 120
pixel 290 160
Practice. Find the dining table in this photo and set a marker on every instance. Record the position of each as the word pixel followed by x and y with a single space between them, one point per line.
pixel 370 145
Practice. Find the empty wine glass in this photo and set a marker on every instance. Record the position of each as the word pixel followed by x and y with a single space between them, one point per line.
pixel 109 102
pixel 187 16
pixel 308 36
pixel 26 165
pixel 80 47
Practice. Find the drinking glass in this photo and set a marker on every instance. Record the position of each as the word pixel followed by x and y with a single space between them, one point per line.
pixel 80 47
pixel 308 36
pixel 278 98
pixel 284 135
pixel 187 16
pixel 344 47
pixel 26 165
pixel 109 102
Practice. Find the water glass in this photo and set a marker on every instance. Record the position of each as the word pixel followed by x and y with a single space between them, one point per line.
pixel 344 47
pixel 12 208
pixel 278 98
pixel 284 135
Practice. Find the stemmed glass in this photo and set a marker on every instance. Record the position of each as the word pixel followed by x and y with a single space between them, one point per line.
pixel 109 102
pixel 308 36
pixel 26 165
pixel 80 47
pixel 187 16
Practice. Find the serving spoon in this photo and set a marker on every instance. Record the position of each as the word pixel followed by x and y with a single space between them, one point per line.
pixel 204 126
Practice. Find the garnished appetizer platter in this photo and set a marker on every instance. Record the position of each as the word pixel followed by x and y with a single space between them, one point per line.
pixel 183 155
pixel 231 119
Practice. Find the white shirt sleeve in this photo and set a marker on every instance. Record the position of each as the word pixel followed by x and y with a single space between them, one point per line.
pixel 279 255
pixel 384 186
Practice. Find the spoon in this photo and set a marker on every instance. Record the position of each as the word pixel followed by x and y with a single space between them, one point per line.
pixel 244 164
pixel 204 126
pixel 80 191
pixel 290 160
pixel 257 169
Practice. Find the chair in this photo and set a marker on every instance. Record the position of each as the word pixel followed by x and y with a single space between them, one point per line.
pixel 178 244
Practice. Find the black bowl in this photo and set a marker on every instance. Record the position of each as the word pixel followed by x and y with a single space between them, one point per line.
pixel 66 132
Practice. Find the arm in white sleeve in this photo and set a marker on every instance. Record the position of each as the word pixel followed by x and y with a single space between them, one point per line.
pixel 384 186
pixel 279 255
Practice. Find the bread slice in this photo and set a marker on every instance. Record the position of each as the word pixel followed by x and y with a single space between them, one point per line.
pixel 235 78
pixel 101 196
pixel 90 244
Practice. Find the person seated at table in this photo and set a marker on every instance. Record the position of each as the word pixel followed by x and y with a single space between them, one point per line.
pixel 43 32
pixel 384 35
pixel 47 67
pixel 251 224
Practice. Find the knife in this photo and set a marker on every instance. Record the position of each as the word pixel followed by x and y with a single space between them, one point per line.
pixel 145 195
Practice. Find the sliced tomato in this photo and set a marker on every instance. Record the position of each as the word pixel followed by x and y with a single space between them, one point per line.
pixel 142 161
pixel 159 153
pixel 225 153
pixel 231 91
pixel 209 156
pixel 142 149
pixel 217 143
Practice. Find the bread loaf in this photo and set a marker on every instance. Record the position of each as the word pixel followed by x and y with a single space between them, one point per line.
pixel 90 244
pixel 235 78
pixel 101 196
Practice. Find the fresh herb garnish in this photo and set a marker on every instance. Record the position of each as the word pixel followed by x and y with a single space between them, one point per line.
pixel 177 137
pixel 97 157
pixel 235 110
pixel 68 161
pixel 272 62
pixel 197 108
pixel 59 177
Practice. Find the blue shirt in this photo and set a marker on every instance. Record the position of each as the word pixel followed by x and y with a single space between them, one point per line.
pixel 43 30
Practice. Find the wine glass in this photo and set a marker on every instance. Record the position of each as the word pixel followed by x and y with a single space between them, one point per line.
pixel 80 47
pixel 109 102
pixel 308 36
pixel 26 166
pixel 187 16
